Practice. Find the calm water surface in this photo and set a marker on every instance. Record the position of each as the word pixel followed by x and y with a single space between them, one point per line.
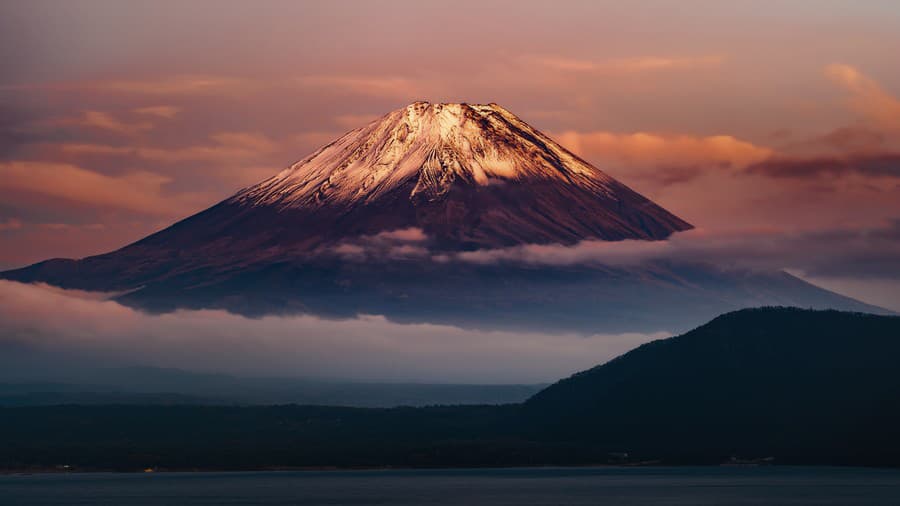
pixel 548 486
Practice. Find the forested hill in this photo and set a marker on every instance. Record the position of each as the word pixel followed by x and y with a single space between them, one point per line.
pixel 761 381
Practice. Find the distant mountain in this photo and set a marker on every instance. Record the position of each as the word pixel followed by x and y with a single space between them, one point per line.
pixel 364 225
pixel 757 382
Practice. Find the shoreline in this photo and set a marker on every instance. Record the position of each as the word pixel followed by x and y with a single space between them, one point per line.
pixel 337 470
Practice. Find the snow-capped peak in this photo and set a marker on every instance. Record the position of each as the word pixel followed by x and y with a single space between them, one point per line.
pixel 424 149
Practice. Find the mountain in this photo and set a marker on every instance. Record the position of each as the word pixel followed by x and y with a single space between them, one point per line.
pixel 468 176
pixel 800 386
pixel 365 224
pixel 757 382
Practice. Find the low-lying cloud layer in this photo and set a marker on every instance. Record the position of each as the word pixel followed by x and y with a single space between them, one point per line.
pixel 861 262
pixel 106 333
pixel 866 253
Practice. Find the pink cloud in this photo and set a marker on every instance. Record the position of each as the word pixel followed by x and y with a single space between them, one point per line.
pixel 137 191
pixel 871 252
pixel 411 234
pixel 867 96
pixel 99 120
pixel 666 158
pixel 379 86
pixel 105 121
pixel 226 147
pixel 169 85
pixel 626 65
pixel 160 111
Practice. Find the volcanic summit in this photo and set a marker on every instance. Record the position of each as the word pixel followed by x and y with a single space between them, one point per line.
pixel 469 176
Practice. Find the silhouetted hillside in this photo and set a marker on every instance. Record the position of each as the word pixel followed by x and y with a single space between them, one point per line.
pixel 770 381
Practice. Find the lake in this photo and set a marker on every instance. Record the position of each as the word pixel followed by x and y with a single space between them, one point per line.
pixel 542 486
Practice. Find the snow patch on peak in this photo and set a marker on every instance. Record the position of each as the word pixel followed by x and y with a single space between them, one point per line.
pixel 428 147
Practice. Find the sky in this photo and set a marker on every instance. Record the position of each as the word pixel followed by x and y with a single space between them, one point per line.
pixel 773 127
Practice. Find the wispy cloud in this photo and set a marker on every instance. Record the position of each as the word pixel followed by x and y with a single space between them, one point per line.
pixel 867 96
pixel 170 85
pixel 191 86
pixel 10 224
pixel 876 164
pixel 390 244
pixel 626 65
pixel 864 253
pixel 105 121
pixel 663 158
pixel 161 111
pixel 379 86
pixel 138 191
pixel 176 85
pixel 226 146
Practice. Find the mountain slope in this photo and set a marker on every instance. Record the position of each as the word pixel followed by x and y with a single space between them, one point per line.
pixel 758 382
pixel 469 176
